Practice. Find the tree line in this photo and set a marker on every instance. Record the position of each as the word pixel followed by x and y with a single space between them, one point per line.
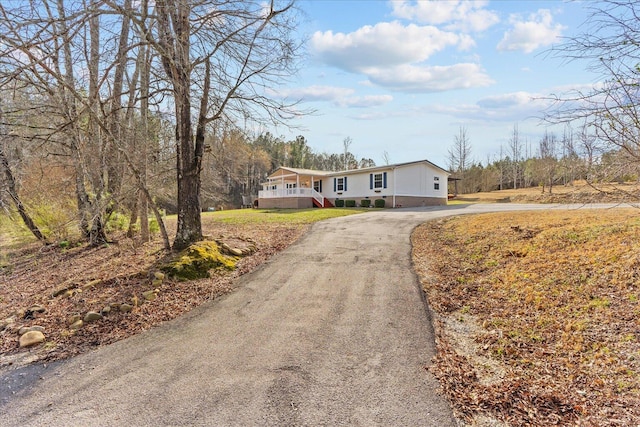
pixel 550 161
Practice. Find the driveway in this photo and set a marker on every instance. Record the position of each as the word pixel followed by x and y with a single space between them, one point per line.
pixel 332 331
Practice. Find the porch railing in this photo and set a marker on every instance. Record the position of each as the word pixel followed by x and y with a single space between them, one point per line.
pixel 287 192
pixel 318 197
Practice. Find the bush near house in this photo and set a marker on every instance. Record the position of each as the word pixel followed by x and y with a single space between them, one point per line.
pixel 350 203
pixel 365 203
pixel 379 203
pixel 339 203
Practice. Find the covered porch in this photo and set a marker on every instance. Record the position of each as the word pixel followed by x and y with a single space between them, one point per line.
pixel 293 188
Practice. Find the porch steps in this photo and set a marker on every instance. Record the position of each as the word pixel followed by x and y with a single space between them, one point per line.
pixel 327 203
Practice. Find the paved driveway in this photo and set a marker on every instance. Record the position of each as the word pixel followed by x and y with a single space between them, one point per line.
pixel 332 331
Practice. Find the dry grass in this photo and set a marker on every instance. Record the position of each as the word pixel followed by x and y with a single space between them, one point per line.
pixel 576 192
pixel 539 314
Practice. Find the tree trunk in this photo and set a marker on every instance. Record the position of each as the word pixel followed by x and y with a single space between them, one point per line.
pixel 175 31
pixel 11 184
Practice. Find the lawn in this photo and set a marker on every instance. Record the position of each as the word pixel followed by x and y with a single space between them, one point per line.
pixel 537 314
pixel 288 216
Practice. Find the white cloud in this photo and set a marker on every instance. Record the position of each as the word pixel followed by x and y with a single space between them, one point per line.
pixel 425 79
pixel 393 55
pixel 384 44
pixel 339 96
pixel 537 31
pixel 365 101
pixel 463 15
pixel 316 93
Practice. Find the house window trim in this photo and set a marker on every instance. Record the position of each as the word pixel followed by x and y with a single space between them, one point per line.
pixel 377 181
pixel 340 182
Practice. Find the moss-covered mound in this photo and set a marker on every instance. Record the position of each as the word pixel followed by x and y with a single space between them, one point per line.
pixel 196 261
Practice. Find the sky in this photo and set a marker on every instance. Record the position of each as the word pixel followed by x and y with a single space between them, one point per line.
pixel 404 76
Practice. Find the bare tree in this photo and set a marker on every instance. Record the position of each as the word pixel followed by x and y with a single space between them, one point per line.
pixel 547 161
pixel 346 143
pixel 227 53
pixel 610 45
pixel 514 150
pixel 460 152
pixel 12 187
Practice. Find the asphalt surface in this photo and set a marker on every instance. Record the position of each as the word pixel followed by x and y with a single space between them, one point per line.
pixel 333 331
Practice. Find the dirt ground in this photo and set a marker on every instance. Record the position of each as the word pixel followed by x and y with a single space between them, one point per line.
pixel 110 275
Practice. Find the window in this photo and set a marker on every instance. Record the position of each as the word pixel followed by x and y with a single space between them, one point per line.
pixel 340 184
pixel 436 185
pixel 377 180
pixel 317 185
pixel 291 185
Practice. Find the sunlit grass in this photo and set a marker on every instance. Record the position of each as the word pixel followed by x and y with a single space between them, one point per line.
pixel 285 216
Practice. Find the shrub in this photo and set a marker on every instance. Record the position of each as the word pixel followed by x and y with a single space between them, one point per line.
pixel 365 203
pixel 339 203
pixel 379 203
pixel 350 203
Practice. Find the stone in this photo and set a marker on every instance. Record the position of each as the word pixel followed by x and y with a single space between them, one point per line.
pixel 150 295
pixel 134 300
pixel 159 275
pixel 4 324
pixel 73 319
pixel 59 291
pixel 31 338
pixel 235 251
pixel 92 316
pixel 105 310
pixel 23 330
pixel 125 308
pixel 156 282
pixel 76 325
pixel 37 308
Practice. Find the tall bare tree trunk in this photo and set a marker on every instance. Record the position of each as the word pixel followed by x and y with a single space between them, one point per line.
pixel 174 30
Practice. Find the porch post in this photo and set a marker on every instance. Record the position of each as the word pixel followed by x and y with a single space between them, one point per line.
pixel 297 185
pixel 394 188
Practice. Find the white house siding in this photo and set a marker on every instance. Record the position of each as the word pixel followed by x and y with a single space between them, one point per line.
pixel 407 185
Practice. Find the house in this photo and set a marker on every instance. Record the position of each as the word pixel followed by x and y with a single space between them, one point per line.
pixel 419 183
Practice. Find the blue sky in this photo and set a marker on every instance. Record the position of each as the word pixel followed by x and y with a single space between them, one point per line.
pixel 403 76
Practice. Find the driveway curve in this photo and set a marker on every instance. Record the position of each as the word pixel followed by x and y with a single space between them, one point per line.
pixel 332 331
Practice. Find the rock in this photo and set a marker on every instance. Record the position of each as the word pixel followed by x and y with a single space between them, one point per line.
pixel 73 319
pixel 37 308
pixel 125 308
pixel 68 293
pixel 5 323
pixel 159 275
pixel 105 310
pixel 23 330
pixel 91 284
pixel 76 325
pixel 31 338
pixel 59 291
pixel 150 295
pixel 156 282
pixel 235 251
pixel 92 316
pixel 134 300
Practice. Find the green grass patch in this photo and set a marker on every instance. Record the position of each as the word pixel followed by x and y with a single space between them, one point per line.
pixel 284 216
